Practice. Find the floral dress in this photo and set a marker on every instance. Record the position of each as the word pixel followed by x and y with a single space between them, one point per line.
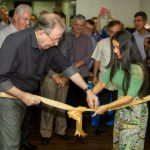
pixel 130 123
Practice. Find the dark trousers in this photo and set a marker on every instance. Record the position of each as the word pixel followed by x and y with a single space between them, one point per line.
pixel 26 125
pixel 76 96
pixel 27 120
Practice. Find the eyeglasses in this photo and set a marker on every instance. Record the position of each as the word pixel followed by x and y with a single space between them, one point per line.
pixel 54 40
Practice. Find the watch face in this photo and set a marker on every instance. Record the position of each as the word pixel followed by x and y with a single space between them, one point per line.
pixel 88 88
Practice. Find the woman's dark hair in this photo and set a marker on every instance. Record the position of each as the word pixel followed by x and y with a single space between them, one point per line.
pixel 130 54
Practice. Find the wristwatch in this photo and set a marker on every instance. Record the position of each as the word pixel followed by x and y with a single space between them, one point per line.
pixel 86 89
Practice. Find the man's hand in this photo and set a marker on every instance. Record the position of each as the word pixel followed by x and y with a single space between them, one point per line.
pixel 60 81
pixel 100 13
pixel 63 82
pixel 108 13
pixel 79 64
pixel 30 99
pixel 92 99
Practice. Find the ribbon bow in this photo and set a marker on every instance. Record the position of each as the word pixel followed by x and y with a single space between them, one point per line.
pixel 76 114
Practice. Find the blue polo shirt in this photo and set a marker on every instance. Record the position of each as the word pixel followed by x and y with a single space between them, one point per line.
pixel 140 42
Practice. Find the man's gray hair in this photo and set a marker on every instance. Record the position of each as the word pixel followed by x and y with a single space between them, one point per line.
pixel 79 17
pixel 19 9
pixel 48 22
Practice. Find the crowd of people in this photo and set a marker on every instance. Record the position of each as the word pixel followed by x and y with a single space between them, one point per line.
pixel 39 56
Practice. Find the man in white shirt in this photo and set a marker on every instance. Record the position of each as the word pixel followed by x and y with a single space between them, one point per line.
pixel 21 20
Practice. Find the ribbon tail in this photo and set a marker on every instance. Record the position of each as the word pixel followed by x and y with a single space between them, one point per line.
pixel 79 130
pixel 76 114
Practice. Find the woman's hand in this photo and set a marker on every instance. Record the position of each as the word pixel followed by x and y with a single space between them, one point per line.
pixel 100 110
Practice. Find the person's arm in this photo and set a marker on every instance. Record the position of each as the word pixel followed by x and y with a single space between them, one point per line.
pixel 97 56
pixel 99 29
pixel 27 98
pixel 79 64
pixel 99 87
pixel 108 13
pixel 8 57
pixel 92 99
pixel 95 71
pixel 60 81
pixel 147 48
pixel 70 72
pixel 67 50
pixel 123 100
pixel 133 90
pixel 146 44
pixel 93 48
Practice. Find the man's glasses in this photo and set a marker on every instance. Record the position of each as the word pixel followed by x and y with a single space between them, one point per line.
pixel 54 41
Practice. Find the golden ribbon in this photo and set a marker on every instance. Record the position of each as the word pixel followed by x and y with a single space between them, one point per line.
pixel 73 112
pixel 76 112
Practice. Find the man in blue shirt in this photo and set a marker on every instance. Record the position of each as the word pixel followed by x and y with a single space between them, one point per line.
pixel 140 20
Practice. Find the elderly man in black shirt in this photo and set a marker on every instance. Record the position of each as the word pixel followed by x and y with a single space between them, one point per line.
pixel 24 58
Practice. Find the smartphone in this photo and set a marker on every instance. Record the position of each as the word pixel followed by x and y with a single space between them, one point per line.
pixel 103 11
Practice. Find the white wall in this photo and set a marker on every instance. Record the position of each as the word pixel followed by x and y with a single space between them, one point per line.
pixel 122 9
pixel 145 6
pixel 39 6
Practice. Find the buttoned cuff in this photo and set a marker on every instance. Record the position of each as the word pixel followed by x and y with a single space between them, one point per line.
pixel 70 71
pixel 6 85
pixel 50 73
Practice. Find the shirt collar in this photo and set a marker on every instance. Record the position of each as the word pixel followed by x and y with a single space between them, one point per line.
pixel 34 42
pixel 12 27
pixel 2 23
pixel 146 33
pixel 71 33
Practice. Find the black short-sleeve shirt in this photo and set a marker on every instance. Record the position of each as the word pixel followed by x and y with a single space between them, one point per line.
pixel 23 64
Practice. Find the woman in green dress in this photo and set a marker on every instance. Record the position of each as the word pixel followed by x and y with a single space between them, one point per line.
pixel 128 72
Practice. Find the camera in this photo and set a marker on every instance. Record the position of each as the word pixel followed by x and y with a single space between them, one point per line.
pixel 148 40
